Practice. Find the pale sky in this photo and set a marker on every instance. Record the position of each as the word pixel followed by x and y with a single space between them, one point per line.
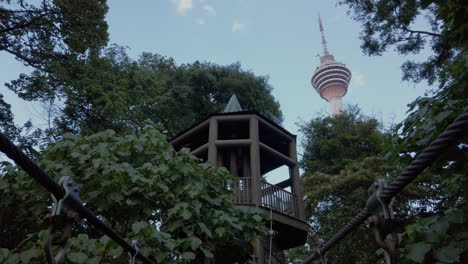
pixel 277 38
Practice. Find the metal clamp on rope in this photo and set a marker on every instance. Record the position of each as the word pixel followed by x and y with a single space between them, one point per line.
pixel 133 257
pixel 323 257
pixel 382 221
pixel 61 220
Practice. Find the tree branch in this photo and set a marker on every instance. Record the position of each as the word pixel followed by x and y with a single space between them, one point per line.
pixel 419 32
pixel 29 23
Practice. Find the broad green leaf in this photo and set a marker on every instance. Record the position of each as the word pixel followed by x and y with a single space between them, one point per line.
pixel 205 229
pixel 418 251
pixel 195 243
pixel 77 257
pixel 186 214
pixel 116 252
pixel 188 256
pixel 138 226
pixel 257 218
pixel 448 254
pixel 207 253
pixel 219 231
pixel 27 255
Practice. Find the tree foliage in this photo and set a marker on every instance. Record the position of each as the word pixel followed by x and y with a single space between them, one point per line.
pixel 177 208
pixel 343 155
pixel 47 35
pixel 436 239
pixel 112 91
pixel 411 27
pixel 387 24
pixel 44 34
pixel 331 143
pixel 23 135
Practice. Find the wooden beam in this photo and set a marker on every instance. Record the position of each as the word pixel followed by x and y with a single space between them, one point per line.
pixel 278 154
pixel 272 127
pixel 284 184
pixel 233 142
pixel 189 132
pixel 233 117
pixel 199 149
pixel 213 136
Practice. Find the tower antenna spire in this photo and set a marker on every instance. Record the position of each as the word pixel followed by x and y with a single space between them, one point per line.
pixel 322 32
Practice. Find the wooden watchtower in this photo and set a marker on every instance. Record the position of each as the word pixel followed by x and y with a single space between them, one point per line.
pixel 250 145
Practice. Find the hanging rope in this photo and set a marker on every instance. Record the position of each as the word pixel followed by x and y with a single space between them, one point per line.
pixel 39 175
pixel 451 135
pixel 271 234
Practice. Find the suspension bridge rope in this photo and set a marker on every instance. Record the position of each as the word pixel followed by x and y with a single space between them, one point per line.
pixel 451 135
pixel 39 175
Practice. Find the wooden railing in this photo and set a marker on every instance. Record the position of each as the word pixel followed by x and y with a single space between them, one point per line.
pixel 278 199
pixel 272 196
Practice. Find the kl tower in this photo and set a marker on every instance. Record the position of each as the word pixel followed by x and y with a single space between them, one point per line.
pixel 331 78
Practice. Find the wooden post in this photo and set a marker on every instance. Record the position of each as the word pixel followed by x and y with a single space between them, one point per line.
pixel 220 158
pixel 296 181
pixel 233 162
pixel 255 161
pixel 245 163
pixel 212 137
pixel 255 177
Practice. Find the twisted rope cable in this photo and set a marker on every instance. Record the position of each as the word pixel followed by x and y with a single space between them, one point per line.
pixel 454 132
pixel 39 175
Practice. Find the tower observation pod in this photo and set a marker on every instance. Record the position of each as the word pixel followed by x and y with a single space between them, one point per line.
pixel 331 78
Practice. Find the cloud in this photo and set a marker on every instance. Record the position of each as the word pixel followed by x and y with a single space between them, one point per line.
pixel 209 10
pixel 200 21
pixel 357 79
pixel 237 27
pixel 183 6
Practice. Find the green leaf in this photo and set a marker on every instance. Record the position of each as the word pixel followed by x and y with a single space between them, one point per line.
pixel 441 116
pixel 205 229
pixel 432 237
pixel 4 253
pixel 448 254
pixel 418 251
pixel 77 257
pixel 207 253
pixel 257 218
pixel 27 255
pixel 195 243
pixel 116 252
pixel 441 226
pixel 188 256
pixel 104 240
pixel 455 216
pixel 219 231
pixel 138 226
pixel 186 214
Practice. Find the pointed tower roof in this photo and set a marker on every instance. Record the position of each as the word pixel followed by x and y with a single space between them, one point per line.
pixel 233 105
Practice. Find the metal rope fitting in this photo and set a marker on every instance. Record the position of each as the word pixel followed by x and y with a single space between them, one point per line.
pixel 381 220
pixel 62 218
pixel 323 257
pixel 133 257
